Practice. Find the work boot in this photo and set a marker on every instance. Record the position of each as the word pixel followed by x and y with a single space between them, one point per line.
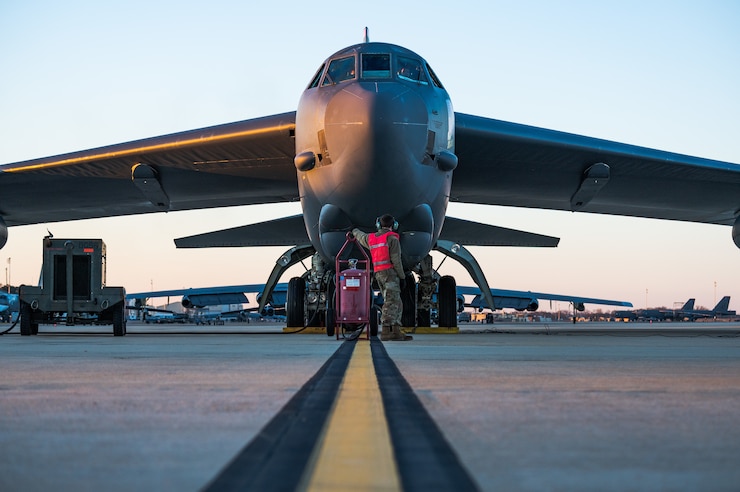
pixel 385 333
pixel 398 336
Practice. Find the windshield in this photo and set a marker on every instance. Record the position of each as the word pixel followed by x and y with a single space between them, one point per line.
pixel 340 70
pixel 376 66
pixel 410 69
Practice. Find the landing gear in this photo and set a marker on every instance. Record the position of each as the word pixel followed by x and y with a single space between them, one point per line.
pixel 331 323
pixel 295 303
pixel 374 318
pixel 408 299
pixel 447 300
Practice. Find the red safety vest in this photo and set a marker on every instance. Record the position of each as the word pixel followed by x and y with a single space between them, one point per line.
pixel 379 251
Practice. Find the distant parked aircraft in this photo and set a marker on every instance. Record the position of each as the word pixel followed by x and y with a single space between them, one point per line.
pixel 686 312
pixel 8 306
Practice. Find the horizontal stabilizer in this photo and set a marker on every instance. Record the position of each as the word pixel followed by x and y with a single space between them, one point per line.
pixel 476 234
pixel 287 231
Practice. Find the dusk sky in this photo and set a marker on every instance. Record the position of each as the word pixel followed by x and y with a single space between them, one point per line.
pixel 659 74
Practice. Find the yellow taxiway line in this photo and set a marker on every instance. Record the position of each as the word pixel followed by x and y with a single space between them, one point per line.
pixel 354 451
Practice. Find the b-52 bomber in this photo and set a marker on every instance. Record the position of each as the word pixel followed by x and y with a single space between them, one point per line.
pixel 374 132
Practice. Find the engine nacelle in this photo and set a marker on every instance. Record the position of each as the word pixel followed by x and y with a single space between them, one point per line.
pixel 268 312
pixel 735 232
pixel 188 304
pixel 533 305
pixel 3 233
pixel 579 306
pixel 460 303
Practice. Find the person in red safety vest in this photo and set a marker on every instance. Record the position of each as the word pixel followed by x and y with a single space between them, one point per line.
pixel 385 252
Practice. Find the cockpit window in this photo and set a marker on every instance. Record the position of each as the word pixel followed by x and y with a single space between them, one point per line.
pixel 316 78
pixel 410 69
pixel 435 79
pixel 376 66
pixel 340 70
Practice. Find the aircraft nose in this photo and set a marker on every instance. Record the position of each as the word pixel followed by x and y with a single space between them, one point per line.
pixel 381 123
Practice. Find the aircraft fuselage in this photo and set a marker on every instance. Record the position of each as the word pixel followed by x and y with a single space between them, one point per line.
pixel 374 135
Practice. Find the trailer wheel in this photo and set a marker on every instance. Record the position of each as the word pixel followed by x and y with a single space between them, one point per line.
pixel 27 325
pixel 119 320
pixel 295 302
pixel 447 300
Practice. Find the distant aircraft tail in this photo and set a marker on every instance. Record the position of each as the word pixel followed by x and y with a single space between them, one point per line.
pixel 689 306
pixel 723 305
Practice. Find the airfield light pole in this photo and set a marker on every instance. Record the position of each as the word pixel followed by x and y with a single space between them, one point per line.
pixel 7 275
pixel 646 301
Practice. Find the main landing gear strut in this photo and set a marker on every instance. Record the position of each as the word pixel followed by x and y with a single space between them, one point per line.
pixel 310 296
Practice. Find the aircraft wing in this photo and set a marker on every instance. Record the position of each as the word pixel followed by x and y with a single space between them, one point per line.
pixel 243 163
pixel 212 296
pixel 516 299
pixel 226 289
pixel 502 163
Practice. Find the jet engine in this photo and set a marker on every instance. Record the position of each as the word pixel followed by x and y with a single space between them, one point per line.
pixel 187 303
pixel 532 306
pixel 460 303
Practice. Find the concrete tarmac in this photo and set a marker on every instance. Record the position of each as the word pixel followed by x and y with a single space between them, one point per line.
pixel 605 407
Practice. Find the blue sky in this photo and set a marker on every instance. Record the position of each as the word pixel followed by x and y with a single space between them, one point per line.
pixel 665 75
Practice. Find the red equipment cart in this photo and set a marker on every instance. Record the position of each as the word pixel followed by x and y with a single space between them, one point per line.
pixel 353 295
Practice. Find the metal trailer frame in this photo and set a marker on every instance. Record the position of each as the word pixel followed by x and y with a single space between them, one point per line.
pixel 359 269
pixel 72 289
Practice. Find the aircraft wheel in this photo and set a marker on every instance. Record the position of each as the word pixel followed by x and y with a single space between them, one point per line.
pixel 330 322
pixel 119 320
pixel 295 302
pixel 374 318
pixel 447 301
pixel 408 299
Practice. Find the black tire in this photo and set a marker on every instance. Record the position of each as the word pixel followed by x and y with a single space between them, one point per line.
pixel 447 302
pixel 26 324
pixel 374 320
pixel 119 320
pixel 408 299
pixel 330 322
pixel 295 302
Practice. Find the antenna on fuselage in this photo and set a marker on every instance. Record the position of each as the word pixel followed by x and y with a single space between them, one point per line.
pixel 366 38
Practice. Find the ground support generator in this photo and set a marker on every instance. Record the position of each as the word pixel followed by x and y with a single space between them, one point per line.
pixel 353 307
pixel 72 289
